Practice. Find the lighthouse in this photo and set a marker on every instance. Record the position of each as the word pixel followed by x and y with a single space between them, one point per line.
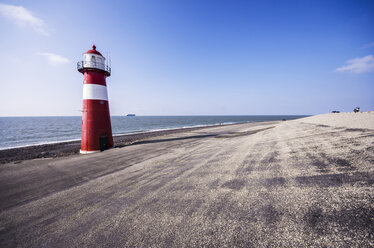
pixel 96 126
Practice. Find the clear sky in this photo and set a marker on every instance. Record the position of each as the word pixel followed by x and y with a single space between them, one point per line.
pixel 189 57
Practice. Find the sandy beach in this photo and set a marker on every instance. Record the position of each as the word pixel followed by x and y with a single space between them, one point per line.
pixel 299 183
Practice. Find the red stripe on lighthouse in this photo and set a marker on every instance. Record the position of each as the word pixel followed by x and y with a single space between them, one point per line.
pixel 95 124
pixel 94 77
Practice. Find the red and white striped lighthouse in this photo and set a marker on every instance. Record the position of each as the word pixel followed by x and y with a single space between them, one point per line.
pixel 96 127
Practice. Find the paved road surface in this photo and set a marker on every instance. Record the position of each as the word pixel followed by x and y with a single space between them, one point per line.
pixel 272 184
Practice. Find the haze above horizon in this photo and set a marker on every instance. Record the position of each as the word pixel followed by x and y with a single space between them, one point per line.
pixel 190 57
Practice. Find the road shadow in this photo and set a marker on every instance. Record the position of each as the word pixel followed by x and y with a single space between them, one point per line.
pixel 334 180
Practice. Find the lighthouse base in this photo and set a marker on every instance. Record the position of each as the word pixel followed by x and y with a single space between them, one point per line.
pixel 88 152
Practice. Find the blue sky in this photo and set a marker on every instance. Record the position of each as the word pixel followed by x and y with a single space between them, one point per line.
pixel 190 57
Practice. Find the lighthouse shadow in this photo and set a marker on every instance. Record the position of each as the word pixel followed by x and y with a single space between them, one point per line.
pixel 202 136
pixel 173 139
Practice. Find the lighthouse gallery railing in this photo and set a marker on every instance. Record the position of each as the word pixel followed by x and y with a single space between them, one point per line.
pixel 93 65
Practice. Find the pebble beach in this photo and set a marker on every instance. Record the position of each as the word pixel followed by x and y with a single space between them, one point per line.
pixel 299 183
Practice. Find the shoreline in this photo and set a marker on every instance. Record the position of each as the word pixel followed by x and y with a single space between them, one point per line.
pixel 131 133
pixel 116 135
pixel 42 134
pixel 64 148
pixel 71 147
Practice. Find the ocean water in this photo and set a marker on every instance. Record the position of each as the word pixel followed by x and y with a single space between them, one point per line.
pixel 25 131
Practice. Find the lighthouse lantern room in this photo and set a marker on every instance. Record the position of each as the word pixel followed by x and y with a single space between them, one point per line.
pixel 96 126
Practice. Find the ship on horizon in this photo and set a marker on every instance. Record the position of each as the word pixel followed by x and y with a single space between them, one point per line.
pixel 130 115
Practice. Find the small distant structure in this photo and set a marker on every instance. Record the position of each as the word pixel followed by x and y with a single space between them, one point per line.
pixel 356 110
pixel 130 115
pixel 335 111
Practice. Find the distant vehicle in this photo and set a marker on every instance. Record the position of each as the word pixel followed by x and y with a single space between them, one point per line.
pixel 130 115
pixel 335 111
pixel 356 110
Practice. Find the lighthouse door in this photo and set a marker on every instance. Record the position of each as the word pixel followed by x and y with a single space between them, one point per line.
pixel 103 142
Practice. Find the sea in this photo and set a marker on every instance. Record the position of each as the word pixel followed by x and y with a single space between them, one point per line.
pixel 27 131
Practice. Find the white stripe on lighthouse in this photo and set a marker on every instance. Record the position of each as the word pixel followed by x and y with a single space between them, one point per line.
pixel 95 92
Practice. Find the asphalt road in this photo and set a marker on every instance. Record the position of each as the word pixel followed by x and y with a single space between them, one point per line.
pixel 276 184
